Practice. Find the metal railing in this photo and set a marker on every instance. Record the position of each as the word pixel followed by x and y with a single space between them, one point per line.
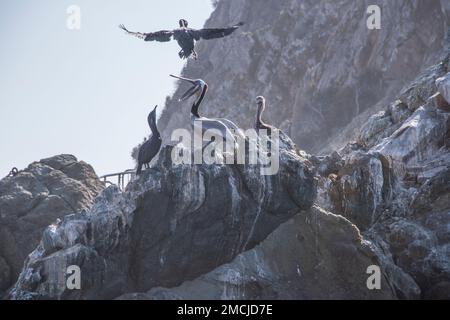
pixel 122 178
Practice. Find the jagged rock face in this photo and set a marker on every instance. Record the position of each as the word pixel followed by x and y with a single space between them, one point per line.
pixel 394 184
pixel 175 223
pixel 364 185
pixel 316 62
pixel 421 242
pixel 443 85
pixel 49 189
pixel 225 231
pixel 326 259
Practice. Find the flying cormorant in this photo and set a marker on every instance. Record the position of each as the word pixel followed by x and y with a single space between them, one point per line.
pixel 149 148
pixel 184 36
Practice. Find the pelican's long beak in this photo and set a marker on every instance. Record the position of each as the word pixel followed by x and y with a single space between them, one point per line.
pixel 181 78
pixel 196 88
pixel 152 114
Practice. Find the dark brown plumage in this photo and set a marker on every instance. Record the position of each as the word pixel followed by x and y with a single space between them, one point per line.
pixel 150 148
pixel 185 36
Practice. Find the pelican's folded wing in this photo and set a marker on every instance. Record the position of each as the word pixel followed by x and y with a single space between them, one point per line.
pixel 212 33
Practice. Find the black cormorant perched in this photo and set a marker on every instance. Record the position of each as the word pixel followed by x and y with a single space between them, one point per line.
pixel 184 36
pixel 149 148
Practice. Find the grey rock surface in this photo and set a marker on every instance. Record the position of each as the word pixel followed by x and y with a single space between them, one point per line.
pixel 46 190
pixel 226 232
pixel 443 85
pixel 315 255
pixel 175 223
pixel 394 184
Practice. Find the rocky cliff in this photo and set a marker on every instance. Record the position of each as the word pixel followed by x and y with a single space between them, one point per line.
pixel 393 181
pixel 315 255
pixel 45 191
pixel 329 80
pixel 316 62
pixel 312 230
pixel 175 223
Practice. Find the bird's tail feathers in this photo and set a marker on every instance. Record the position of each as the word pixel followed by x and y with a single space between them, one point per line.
pixel 139 169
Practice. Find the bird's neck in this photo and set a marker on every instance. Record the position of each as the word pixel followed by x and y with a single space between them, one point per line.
pixel 154 129
pixel 259 114
pixel 194 109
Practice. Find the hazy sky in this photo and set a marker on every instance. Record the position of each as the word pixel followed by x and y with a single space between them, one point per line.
pixel 85 92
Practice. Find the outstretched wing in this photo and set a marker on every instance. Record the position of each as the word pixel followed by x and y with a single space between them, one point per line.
pixel 212 33
pixel 161 36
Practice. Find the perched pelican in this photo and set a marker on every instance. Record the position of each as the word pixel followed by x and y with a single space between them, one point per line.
pixel 199 88
pixel 149 148
pixel 184 36
pixel 260 124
